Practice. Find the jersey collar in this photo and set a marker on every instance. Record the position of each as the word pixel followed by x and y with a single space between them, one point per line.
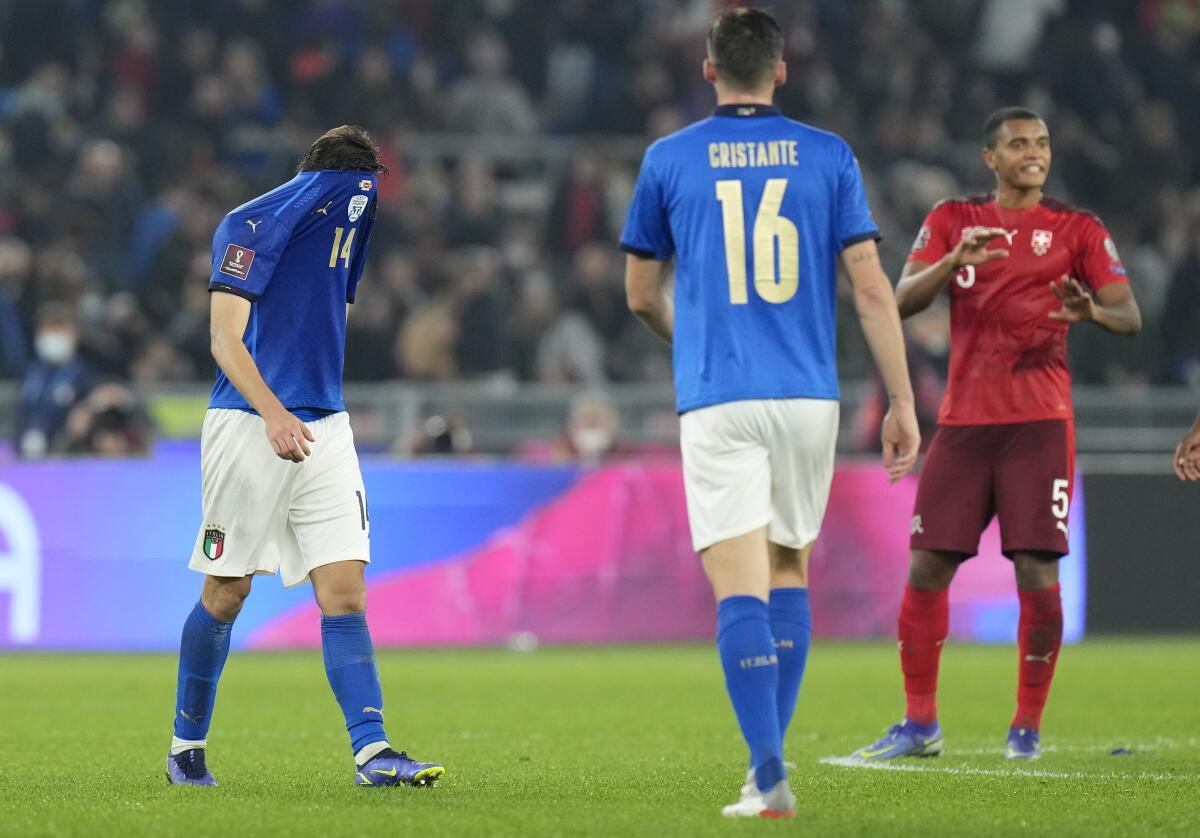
pixel 745 110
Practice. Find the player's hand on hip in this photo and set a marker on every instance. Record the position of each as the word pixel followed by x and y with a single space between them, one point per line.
pixel 972 248
pixel 1077 303
pixel 289 436
pixel 1187 455
pixel 901 439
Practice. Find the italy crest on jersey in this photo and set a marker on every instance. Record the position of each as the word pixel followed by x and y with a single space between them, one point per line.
pixel 357 204
pixel 214 542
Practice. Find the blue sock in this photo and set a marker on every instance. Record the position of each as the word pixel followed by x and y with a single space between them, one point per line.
pixel 791 626
pixel 752 679
pixel 350 666
pixel 203 649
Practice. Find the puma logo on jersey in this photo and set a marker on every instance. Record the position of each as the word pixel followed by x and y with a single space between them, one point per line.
pixel 325 209
pixel 253 225
pixel 1043 658
pixel 918 526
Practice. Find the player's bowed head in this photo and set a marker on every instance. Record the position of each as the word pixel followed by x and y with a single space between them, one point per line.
pixel 345 148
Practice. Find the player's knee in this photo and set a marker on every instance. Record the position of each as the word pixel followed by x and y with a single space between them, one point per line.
pixel 930 571
pixel 1035 571
pixel 223 598
pixel 346 598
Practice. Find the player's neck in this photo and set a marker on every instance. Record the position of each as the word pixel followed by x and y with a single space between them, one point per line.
pixel 745 97
pixel 1009 197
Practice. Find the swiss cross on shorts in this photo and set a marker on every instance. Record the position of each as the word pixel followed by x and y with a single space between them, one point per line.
pixel 237 261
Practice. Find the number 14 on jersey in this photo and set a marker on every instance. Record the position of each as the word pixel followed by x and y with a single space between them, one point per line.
pixel 775 280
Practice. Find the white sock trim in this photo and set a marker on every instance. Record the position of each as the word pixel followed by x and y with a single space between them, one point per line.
pixel 368 752
pixel 178 746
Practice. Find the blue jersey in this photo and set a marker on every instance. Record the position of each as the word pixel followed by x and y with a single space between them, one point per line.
pixel 755 209
pixel 297 254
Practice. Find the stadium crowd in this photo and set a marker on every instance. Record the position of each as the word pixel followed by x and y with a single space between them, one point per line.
pixel 128 127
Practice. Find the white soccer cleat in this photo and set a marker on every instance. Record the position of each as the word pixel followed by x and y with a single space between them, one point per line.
pixel 777 803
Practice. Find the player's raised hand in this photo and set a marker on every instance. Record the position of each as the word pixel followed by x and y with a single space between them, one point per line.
pixel 1187 455
pixel 1077 303
pixel 972 248
pixel 901 439
pixel 289 436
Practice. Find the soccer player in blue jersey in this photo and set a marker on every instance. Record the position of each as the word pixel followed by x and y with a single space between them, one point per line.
pixel 282 490
pixel 755 210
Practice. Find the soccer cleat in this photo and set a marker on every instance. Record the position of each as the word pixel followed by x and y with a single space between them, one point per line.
pixel 389 768
pixel 188 769
pixel 779 802
pixel 1023 743
pixel 907 739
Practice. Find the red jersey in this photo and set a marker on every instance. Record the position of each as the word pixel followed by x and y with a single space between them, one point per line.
pixel 1008 358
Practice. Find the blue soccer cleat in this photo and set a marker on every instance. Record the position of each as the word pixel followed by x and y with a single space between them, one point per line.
pixel 188 769
pixel 1023 743
pixel 389 768
pixel 907 739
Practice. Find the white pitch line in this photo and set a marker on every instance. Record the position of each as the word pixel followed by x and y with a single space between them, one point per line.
pixel 887 765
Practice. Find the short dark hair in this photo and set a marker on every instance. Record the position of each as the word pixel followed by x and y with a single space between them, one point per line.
pixel 998 117
pixel 745 44
pixel 346 147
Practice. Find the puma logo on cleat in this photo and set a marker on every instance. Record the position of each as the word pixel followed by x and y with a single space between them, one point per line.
pixel 372 710
pixel 390 773
pixel 1043 658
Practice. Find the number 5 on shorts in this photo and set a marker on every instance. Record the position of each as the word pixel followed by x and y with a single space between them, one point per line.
pixel 1060 504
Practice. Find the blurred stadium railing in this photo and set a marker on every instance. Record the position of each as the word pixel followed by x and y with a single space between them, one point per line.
pixel 500 417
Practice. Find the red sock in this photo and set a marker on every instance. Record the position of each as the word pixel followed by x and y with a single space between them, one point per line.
pixel 1039 637
pixel 924 624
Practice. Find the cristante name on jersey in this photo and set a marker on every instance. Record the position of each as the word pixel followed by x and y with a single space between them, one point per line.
pixel 751 155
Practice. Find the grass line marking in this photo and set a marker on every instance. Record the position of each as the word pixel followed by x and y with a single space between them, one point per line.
pixel 967 770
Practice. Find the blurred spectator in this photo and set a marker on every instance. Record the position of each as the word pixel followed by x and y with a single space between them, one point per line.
pixel 107 423
pixel 488 100
pixel 56 380
pixel 127 128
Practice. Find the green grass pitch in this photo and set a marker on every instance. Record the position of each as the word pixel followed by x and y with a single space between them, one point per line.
pixel 608 741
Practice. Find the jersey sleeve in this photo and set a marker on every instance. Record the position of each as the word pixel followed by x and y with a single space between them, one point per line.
pixel 360 255
pixel 933 239
pixel 245 253
pixel 647 230
pixel 1097 262
pixel 854 221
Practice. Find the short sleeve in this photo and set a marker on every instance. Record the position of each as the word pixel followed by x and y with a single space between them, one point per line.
pixel 647 230
pixel 854 221
pixel 1097 263
pixel 245 253
pixel 360 254
pixel 933 239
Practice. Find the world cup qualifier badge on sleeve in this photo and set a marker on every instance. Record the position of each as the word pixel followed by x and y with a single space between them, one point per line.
pixel 214 542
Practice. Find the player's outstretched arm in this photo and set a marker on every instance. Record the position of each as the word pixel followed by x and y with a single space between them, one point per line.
pixel 921 282
pixel 229 315
pixel 646 294
pixel 1113 308
pixel 881 324
pixel 1187 454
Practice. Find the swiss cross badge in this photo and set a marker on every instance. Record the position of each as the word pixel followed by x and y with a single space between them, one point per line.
pixel 1041 241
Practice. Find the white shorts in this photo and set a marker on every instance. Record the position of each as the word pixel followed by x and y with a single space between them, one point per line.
pixel 263 514
pixel 765 462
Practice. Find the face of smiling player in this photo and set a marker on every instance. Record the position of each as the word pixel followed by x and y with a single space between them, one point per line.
pixel 1021 157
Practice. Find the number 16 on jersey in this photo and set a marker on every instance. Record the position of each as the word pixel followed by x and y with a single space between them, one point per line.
pixel 776 244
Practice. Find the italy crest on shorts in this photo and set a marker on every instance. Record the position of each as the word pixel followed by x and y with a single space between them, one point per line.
pixel 214 542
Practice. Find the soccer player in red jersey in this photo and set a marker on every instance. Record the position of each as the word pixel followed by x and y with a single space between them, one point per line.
pixel 1020 268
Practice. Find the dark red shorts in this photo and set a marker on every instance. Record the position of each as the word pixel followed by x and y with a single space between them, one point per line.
pixel 1022 472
